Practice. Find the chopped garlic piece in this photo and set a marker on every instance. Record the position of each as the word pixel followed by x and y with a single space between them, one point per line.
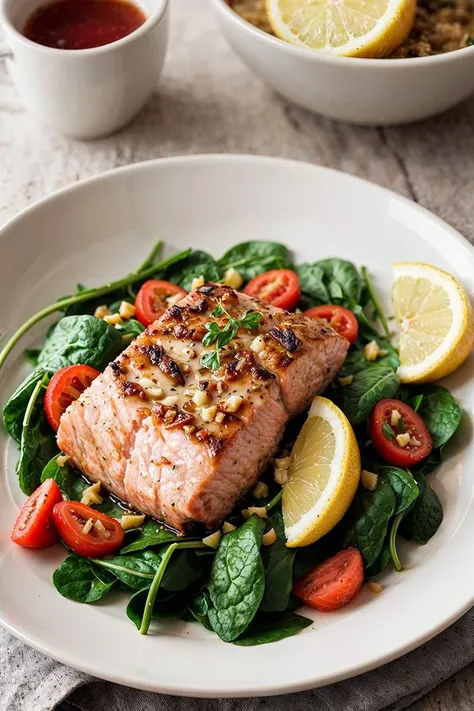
pixel 261 490
pixel 170 401
pixel 189 352
pixel 150 388
pixel 208 413
pixel 131 521
pixel 189 429
pixel 91 496
pixel 257 345
pixel 87 526
pixel 376 588
pixel 269 538
pixel 101 529
pixel 197 282
pixel 372 350
pixel 233 278
pixel 281 470
pixel 259 511
pixel 172 300
pixel 346 380
pixel 213 540
pixel 395 417
pixel 369 480
pixel 62 460
pixel 415 442
pixel 228 527
pixel 219 418
pixel 126 310
pixel 101 311
pixel 403 439
pixel 113 319
pixel 233 403
pixel 200 397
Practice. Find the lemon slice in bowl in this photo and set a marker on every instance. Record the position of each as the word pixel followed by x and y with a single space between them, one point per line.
pixel 435 321
pixel 323 475
pixel 348 28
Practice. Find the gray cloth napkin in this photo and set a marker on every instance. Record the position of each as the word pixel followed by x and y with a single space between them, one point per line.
pixel 30 681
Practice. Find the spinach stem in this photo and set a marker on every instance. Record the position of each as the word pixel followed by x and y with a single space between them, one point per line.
pixel 275 501
pixel 113 566
pixel 375 301
pixel 393 542
pixel 150 260
pixel 88 295
pixel 31 404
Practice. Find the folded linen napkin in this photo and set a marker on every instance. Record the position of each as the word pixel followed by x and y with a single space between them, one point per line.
pixel 29 681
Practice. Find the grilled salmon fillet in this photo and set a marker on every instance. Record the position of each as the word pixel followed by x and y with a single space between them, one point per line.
pixel 183 443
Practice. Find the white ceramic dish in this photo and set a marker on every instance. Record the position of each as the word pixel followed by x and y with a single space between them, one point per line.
pixel 85 93
pixel 361 91
pixel 102 227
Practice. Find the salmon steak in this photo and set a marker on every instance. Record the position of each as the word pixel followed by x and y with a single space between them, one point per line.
pixel 183 442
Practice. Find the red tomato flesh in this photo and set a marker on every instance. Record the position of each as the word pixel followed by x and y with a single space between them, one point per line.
pixel 332 584
pixel 65 387
pixel 70 518
pixel 280 287
pixel 340 319
pixel 34 526
pixel 151 302
pixel 384 434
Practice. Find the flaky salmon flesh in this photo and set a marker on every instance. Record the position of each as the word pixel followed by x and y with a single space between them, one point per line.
pixel 183 443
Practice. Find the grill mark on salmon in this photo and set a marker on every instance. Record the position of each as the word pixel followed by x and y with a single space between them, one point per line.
pixel 183 443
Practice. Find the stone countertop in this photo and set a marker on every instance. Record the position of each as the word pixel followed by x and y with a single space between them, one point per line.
pixel 209 102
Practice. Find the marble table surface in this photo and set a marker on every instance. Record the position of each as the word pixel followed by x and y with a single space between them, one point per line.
pixel 208 102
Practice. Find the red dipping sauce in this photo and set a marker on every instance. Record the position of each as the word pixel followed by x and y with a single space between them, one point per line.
pixel 82 24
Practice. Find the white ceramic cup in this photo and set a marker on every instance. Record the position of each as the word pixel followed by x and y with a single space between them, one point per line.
pixel 85 93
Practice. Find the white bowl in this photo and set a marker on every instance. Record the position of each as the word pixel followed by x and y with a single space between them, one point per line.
pixel 362 91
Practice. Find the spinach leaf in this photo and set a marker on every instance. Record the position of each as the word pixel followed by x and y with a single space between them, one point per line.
pixel 440 413
pixel 372 295
pixel 110 508
pixel 371 512
pixel 163 609
pixel 425 517
pixel 196 264
pixel 38 443
pixel 152 534
pixel 342 279
pixel 252 258
pixel 368 387
pixel 129 330
pixel 135 571
pixel 312 284
pixel 237 580
pixel 15 408
pixel 404 486
pixel 430 464
pixel 277 562
pixel 77 580
pixel 71 484
pixel 381 562
pixel 199 607
pixel 82 340
pixel 268 628
pixel 32 355
pixel 184 569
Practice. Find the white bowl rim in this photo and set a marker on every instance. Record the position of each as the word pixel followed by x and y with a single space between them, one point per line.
pixel 447 57
pixel 153 19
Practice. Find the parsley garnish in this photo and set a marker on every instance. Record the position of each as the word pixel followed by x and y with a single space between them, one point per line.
pixel 388 432
pixel 222 336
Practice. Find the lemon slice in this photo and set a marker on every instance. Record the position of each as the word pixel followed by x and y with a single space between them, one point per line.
pixel 435 320
pixel 323 475
pixel 348 28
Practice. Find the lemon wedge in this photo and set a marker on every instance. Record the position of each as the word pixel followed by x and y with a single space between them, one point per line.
pixel 323 474
pixel 435 321
pixel 348 28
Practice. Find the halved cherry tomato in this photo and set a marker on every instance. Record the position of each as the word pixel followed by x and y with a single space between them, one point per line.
pixel 384 434
pixel 65 387
pixel 280 287
pixel 332 584
pixel 151 302
pixel 340 319
pixel 34 526
pixel 70 518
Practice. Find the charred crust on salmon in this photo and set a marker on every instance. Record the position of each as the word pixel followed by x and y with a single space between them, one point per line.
pixel 199 306
pixel 180 420
pixel 260 373
pixel 117 369
pixel 130 389
pixel 158 356
pixel 286 337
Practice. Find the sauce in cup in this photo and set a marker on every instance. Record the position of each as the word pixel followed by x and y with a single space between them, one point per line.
pixel 82 24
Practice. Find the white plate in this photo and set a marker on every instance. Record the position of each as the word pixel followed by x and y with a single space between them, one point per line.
pixel 102 228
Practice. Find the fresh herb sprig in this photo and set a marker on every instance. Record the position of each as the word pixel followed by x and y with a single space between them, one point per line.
pixel 221 336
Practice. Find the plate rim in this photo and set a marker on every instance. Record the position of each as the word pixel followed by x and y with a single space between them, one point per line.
pixel 356 668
